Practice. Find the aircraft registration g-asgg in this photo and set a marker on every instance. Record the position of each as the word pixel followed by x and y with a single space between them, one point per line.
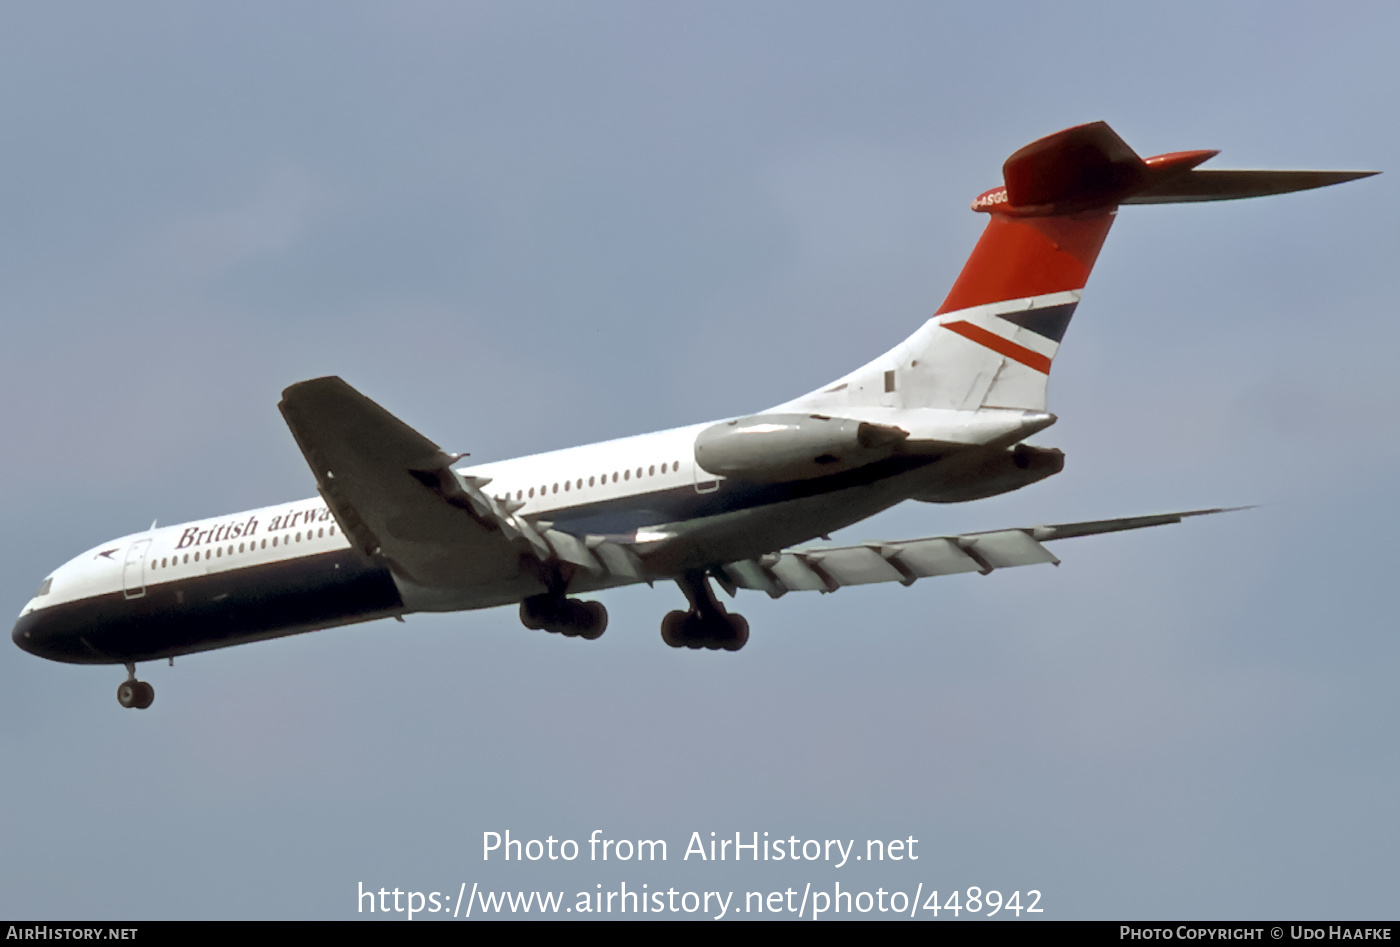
pixel 401 526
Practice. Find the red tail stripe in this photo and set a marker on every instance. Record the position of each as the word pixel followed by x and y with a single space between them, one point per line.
pixel 1001 346
pixel 1031 256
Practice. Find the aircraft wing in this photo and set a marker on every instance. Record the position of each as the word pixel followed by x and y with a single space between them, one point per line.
pixel 395 495
pixel 828 568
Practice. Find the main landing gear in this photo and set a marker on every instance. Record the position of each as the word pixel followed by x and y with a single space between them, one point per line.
pixel 707 624
pixel 566 616
pixel 134 693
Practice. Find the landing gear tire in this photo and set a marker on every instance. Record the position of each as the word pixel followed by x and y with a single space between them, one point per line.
pixel 528 617
pixel 718 632
pixel 738 633
pixel 136 695
pixel 596 621
pixel 673 629
pixel 564 616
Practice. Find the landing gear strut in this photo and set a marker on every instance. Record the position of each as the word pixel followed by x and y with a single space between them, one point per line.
pixel 133 693
pixel 566 616
pixel 707 624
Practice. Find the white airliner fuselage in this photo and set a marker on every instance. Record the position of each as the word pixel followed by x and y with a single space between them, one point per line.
pixel 167 591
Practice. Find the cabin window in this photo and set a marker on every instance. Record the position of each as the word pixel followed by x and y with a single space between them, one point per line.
pixel 332 530
pixel 274 540
pixel 580 483
pixel 321 534
pixel 556 488
pixel 627 475
pixel 651 471
pixel 187 558
pixel 590 481
pixel 567 484
pixel 196 557
pixel 532 491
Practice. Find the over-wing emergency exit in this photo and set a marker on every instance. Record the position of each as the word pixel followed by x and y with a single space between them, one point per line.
pixel 401 526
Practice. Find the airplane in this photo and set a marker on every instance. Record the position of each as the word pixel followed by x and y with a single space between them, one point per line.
pixel 401 526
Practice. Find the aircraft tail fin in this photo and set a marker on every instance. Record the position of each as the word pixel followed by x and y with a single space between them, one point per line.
pixel 992 341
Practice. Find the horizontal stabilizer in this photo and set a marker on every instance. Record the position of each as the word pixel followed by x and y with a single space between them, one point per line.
pixel 1197 185
pixel 1088 168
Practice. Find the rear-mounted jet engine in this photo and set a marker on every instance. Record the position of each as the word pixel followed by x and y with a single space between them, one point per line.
pixel 992 476
pixel 777 447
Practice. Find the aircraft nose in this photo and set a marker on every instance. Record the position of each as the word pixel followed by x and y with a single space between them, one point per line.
pixel 49 636
pixel 21 637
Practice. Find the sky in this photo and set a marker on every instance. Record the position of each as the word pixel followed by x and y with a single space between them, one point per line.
pixel 524 226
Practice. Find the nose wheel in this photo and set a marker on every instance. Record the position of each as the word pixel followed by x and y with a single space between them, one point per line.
pixel 133 693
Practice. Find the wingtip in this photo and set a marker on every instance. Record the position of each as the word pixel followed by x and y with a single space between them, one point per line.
pixel 314 383
pixel 1328 178
pixel 1220 509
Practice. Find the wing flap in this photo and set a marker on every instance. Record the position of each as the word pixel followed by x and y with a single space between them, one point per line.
pixel 1007 548
pixel 930 557
pixel 854 565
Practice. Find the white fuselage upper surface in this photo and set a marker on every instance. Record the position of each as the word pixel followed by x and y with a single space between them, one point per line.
pixel 646 489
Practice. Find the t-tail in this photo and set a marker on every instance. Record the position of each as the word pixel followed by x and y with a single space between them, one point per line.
pixel 993 341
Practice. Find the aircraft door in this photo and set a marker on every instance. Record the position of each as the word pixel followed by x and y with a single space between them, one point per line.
pixel 134 570
pixel 705 482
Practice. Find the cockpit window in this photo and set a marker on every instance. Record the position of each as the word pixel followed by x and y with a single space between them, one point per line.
pixel 44 589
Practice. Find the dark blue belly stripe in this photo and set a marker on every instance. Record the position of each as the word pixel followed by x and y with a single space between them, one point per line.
pixel 213 611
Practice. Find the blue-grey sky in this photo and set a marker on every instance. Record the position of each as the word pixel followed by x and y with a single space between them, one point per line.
pixel 523 226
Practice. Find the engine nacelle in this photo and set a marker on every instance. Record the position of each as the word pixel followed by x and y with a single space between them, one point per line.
pixel 1003 472
pixel 775 447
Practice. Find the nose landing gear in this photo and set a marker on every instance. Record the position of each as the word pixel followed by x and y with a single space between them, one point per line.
pixel 707 624
pixel 133 693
